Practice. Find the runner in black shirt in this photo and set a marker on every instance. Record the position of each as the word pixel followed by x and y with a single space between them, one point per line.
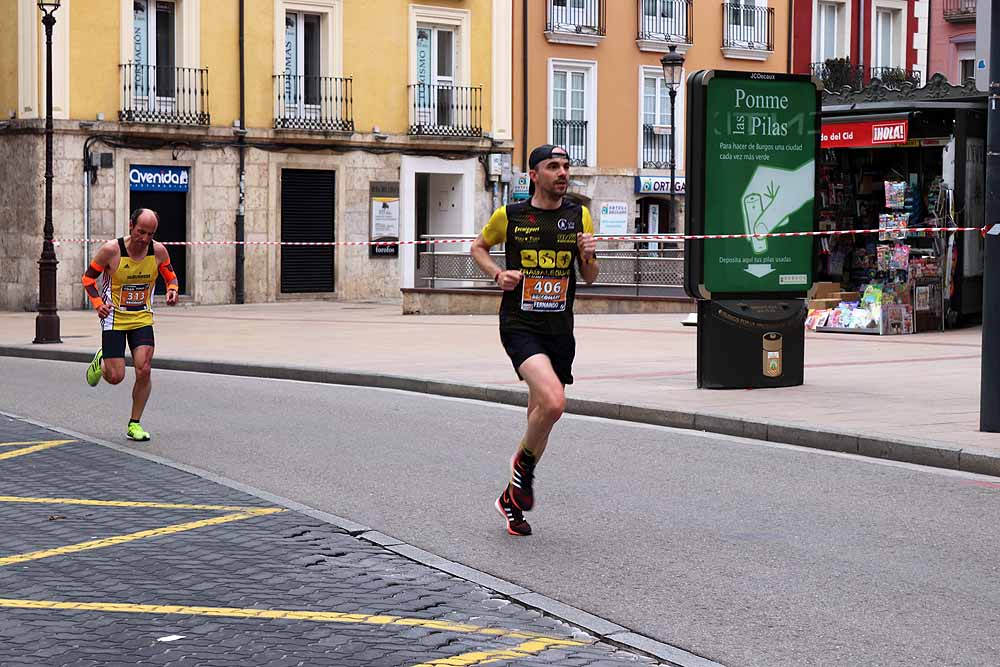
pixel 545 238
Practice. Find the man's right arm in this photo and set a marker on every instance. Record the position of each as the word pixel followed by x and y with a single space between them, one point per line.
pixel 90 276
pixel 493 233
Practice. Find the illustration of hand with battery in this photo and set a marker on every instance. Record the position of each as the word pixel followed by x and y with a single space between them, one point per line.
pixel 771 197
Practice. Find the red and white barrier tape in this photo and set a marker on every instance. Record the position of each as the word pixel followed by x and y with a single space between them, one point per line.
pixel 636 238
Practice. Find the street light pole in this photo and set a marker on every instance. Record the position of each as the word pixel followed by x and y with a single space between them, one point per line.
pixel 673 65
pixel 47 320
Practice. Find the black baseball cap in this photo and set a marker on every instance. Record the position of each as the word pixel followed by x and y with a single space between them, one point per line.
pixel 544 152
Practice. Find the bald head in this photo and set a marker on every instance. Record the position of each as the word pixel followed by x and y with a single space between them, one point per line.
pixel 142 225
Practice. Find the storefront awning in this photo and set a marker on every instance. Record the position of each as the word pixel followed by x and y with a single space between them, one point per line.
pixel 865 131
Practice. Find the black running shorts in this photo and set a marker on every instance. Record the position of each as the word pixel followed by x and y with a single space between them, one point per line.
pixel 113 342
pixel 559 349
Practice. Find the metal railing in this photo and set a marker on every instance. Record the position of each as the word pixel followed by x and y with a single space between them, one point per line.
pixel 452 111
pixel 892 77
pixel 666 21
pixel 323 103
pixel 173 95
pixel 648 264
pixel 839 72
pixel 571 135
pixel 656 146
pixel 747 26
pixel 581 17
pixel 959 11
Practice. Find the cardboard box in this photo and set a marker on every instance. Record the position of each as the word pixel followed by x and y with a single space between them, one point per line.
pixel 822 304
pixel 825 290
pixel 846 296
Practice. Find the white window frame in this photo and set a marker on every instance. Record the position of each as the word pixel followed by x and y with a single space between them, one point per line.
pixel 964 51
pixel 678 119
pixel 298 104
pixel 589 70
pixel 161 101
pixel 331 13
pixel 844 24
pixel 460 21
pixel 187 29
pixel 898 50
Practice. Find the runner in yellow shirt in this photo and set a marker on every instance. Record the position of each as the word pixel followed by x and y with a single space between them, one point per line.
pixel 545 239
pixel 120 282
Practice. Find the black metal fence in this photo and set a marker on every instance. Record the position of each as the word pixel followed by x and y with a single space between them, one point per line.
pixel 839 72
pixel 576 16
pixel 892 77
pixel 323 103
pixel 960 11
pixel 173 95
pixel 656 153
pixel 666 21
pixel 571 135
pixel 454 111
pixel 747 26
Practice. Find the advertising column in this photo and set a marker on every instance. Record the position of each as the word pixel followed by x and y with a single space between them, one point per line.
pixel 753 143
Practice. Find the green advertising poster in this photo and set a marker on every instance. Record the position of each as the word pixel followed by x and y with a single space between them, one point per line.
pixel 760 174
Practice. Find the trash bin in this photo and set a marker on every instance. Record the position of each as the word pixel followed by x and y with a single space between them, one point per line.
pixel 750 344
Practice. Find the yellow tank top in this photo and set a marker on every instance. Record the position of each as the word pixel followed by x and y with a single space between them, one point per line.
pixel 129 289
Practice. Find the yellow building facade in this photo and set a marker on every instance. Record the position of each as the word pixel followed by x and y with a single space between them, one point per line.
pixel 587 75
pixel 271 121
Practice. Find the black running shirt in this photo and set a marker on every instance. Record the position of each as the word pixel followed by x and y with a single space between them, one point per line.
pixel 541 244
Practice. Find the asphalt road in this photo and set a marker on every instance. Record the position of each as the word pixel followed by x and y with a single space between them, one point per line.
pixel 744 552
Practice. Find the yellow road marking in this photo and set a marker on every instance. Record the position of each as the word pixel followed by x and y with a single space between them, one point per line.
pixel 30 450
pixel 129 503
pixel 525 650
pixel 536 642
pixel 29 442
pixel 121 539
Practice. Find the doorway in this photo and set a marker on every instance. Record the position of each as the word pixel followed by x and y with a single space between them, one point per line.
pixel 172 209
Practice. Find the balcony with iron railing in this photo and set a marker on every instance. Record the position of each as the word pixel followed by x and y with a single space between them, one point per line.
pixel 747 31
pixel 571 135
pixel 656 146
pixel 960 11
pixel 168 95
pixel 448 111
pixel 839 72
pixel 575 21
pixel 836 73
pixel 313 103
pixel 894 77
pixel 665 22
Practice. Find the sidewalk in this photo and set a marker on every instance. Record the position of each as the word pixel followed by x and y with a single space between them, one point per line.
pixel 909 398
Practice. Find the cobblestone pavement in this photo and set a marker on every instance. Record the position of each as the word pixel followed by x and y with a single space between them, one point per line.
pixel 110 559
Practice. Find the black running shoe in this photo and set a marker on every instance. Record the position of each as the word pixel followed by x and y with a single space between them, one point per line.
pixel 522 477
pixel 516 525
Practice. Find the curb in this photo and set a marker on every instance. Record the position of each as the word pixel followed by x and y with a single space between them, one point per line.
pixel 604 630
pixel 920 452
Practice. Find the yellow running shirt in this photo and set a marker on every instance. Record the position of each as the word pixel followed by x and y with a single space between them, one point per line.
pixel 129 290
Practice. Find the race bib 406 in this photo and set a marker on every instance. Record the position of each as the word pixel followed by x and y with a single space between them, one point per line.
pixel 544 294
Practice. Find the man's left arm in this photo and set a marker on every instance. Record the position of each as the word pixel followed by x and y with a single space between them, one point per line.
pixel 588 249
pixel 167 271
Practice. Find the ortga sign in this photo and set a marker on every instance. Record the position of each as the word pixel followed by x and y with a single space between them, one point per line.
pixel 861 134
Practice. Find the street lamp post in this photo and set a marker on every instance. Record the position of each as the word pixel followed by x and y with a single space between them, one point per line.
pixel 47 321
pixel 673 65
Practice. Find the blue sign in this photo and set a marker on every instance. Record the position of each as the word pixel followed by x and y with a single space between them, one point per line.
pixel 157 179
pixel 658 185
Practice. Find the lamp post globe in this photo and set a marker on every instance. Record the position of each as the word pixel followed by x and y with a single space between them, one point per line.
pixel 47 320
pixel 673 70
